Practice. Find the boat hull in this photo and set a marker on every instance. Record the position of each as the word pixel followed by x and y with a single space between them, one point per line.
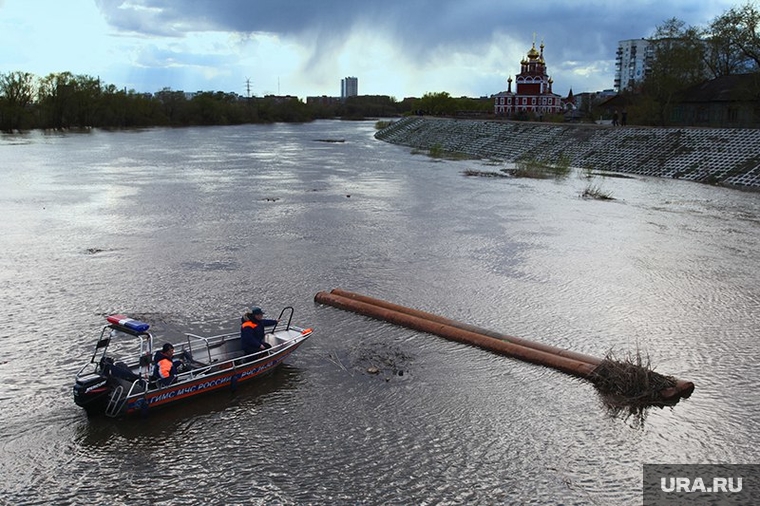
pixel 145 402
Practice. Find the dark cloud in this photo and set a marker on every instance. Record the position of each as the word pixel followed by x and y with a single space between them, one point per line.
pixel 579 29
pixel 271 16
pixel 578 34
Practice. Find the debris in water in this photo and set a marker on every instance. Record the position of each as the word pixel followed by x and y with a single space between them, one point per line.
pixel 629 387
pixel 481 173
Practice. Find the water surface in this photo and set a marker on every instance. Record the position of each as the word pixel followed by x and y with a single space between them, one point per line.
pixel 185 228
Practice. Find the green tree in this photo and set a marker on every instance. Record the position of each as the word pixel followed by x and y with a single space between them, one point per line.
pixel 114 107
pixel 367 105
pixel 56 101
pixel 16 95
pixel 143 110
pixel 293 110
pixel 677 63
pixel 478 105
pixel 437 104
pixel 85 100
pixel 174 105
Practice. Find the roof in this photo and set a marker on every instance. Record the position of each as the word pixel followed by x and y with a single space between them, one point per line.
pixel 733 88
pixel 617 101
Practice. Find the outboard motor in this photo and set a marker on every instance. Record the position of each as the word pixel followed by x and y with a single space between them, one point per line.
pixel 91 391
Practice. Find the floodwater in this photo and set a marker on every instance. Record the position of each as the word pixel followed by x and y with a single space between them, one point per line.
pixel 185 228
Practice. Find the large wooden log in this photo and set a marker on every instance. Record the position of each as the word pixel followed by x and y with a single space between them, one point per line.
pixel 576 364
pixel 567 365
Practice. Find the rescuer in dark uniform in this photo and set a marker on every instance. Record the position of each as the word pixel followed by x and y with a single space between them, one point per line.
pixel 165 369
pixel 252 331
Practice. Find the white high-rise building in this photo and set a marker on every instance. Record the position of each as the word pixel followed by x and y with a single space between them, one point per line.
pixel 349 87
pixel 631 63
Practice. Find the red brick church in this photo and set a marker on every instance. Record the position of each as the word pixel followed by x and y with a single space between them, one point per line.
pixel 533 94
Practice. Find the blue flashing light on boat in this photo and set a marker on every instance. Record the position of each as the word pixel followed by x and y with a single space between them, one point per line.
pixel 129 323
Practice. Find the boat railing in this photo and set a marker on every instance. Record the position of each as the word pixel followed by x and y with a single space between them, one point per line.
pixel 279 318
pixel 205 344
pixel 236 361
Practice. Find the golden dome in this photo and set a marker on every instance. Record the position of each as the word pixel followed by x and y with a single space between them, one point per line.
pixel 533 54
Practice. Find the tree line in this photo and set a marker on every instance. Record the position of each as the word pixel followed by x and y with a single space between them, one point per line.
pixel 64 100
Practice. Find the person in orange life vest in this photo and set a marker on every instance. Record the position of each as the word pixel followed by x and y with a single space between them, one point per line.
pixel 165 369
pixel 252 331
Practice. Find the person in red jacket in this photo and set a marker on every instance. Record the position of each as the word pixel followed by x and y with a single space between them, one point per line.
pixel 252 331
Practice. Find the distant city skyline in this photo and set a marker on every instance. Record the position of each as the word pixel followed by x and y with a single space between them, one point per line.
pixel 399 49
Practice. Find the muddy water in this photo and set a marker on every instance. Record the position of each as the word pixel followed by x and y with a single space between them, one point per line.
pixel 186 227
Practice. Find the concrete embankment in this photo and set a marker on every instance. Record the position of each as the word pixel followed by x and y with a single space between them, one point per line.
pixel 718 156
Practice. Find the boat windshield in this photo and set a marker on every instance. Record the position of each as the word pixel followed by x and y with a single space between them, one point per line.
pixel 126 347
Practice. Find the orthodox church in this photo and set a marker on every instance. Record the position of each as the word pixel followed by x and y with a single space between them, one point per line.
pixel 533 94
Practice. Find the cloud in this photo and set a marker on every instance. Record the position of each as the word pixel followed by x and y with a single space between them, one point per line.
pixel 409 45
pixel 168 17
pixel 420 26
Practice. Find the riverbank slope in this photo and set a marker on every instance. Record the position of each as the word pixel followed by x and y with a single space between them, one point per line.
pixel 717 156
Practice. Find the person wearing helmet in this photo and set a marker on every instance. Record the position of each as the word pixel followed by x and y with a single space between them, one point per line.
pixel 252 331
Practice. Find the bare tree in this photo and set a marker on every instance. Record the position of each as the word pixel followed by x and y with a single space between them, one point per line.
pixel 733 43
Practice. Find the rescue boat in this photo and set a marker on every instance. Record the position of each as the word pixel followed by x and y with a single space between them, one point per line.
pixel 118 382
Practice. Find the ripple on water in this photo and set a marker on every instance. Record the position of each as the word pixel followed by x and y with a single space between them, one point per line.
pixel 185 228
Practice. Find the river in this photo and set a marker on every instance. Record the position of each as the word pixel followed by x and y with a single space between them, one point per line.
pixel 186 228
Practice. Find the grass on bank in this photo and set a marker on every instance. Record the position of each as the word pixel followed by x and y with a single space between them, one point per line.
pixel 536 168
pixel 540 169
pixel 437 151
pixel 594 191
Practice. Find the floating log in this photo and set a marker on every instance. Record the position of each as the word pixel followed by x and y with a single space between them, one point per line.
pixel 567 365
pixel 682 389
pixel 464 326
pixel 576 364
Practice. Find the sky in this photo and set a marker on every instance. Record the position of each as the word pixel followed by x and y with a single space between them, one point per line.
pixel 400 48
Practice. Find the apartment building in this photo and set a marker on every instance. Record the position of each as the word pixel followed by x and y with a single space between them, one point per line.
pixel 631 63
pixel 349 87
